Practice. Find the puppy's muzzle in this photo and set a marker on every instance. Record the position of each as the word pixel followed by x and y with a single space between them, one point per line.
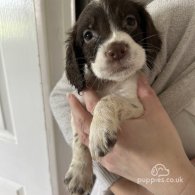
pixel 116 51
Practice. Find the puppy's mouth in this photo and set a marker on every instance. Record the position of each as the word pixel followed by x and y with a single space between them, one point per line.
pixel 116 70
pixel 121 69
pixel 119 65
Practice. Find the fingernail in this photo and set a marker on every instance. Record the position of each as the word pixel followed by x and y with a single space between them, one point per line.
pixel 143 80
pixel 85 91
pixel 142 85
pixel 81 93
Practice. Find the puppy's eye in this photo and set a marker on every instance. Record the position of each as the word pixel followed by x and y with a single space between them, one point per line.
pixel 130 22
pixel 88 35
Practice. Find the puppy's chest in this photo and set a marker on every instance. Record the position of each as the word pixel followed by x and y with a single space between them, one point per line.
pixel 126 89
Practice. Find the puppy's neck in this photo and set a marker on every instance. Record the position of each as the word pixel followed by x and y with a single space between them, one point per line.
pixel 95 83
pixel 126 88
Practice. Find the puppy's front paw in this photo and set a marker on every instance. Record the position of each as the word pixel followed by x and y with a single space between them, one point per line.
pixel 103 137
pixel 79 179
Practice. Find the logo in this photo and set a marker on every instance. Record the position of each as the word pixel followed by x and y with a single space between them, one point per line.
pixel 160 170
pixel 159 174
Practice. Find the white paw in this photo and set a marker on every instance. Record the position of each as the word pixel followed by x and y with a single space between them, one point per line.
pixel 137 109
pixel 103 137
pixel 79 179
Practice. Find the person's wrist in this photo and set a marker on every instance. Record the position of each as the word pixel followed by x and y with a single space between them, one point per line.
pixel 125 187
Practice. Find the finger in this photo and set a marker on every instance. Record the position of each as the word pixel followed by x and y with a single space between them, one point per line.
pixel 91 99
pixel 82 118
pixel 82 124
pixel 147 95
pixel 108 162
pixel 84 138
pixel 76 107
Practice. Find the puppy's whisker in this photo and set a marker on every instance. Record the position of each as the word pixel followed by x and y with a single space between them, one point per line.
pixel 99 85
pixel 150 63
pixel 150 57
pixel 152 50
pixel 149 37
pixel 144 33
pixel 150 46
pixel 133 36
pixel 94 82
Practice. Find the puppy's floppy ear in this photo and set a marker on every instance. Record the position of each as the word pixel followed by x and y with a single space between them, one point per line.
pixel 151 41
pixel 75 62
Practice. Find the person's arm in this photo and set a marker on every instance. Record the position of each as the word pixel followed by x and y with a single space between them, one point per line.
pixel 126 187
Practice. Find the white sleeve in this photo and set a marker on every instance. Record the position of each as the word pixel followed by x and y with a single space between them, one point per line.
pixel 60 107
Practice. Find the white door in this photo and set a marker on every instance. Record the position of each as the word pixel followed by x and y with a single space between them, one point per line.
pixel 25 159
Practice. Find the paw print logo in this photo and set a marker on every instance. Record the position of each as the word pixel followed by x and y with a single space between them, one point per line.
pixel 160 170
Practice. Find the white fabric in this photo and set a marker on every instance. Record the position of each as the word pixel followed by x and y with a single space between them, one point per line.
pixel 98 189
pixel 185 125
pixel 173 76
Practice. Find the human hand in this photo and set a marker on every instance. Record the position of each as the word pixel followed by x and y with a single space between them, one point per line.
pixel 149 140
pixel 142 143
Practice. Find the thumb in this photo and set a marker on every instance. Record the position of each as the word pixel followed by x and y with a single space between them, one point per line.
pixel 147 95
pixel 91 99
pixel 82 118
pixel 76 107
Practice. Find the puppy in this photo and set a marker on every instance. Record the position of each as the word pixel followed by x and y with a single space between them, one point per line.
pixel 109 44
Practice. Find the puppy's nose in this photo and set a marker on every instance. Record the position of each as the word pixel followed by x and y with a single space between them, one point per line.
pixel 116 51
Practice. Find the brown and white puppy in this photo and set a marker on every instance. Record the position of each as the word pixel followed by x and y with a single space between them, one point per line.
pixel 111 41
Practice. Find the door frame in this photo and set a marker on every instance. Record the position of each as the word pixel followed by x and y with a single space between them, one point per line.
pixel 40 19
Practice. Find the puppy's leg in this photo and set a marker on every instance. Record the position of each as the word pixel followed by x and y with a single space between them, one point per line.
pixel 107 116
pixel 79 178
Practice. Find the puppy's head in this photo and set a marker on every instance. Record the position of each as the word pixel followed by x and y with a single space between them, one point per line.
pixel 113 39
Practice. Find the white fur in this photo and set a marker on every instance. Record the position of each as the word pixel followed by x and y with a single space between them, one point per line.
pixel 133 62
